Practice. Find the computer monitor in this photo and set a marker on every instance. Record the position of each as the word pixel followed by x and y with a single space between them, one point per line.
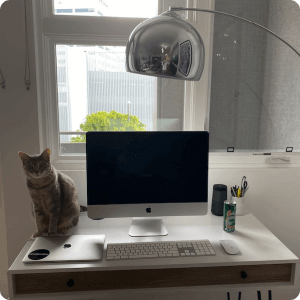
pixel 146 175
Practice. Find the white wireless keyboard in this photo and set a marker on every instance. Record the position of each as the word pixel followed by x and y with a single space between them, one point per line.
pixel 159 249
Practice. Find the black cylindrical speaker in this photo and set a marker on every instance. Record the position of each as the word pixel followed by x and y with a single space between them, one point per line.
pixel 218 198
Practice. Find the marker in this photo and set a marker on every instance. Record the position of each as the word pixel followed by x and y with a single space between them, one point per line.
pixel 261 153
pixel 258 295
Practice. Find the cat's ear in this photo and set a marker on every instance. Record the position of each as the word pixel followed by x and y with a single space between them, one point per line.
pixel 46 154
pixel 23 156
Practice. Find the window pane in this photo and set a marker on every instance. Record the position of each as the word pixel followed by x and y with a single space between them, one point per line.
pixel 109 8
pixel 254 105
pixel 94 89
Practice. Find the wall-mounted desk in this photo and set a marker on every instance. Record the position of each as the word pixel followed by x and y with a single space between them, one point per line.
pixel 269 265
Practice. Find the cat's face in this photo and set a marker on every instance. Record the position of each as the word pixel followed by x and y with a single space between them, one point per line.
pixel 36 166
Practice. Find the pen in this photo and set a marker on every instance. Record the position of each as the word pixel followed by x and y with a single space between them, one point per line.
pixel 233 192
pixel 261 153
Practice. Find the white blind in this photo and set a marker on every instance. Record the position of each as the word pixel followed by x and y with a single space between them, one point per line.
pixel 255 89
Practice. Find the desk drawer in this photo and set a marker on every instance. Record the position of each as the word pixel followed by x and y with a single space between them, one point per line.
pixel 149 278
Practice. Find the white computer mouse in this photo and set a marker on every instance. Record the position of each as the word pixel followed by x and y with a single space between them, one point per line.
pixel 230 246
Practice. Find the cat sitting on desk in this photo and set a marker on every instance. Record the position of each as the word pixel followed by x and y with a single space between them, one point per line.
pixel 54 195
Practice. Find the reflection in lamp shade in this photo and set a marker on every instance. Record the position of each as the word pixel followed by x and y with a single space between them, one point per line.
pixel 165 46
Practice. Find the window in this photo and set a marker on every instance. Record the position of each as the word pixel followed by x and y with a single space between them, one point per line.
pixel 81 71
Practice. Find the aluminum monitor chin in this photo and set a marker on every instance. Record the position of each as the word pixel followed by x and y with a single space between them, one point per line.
pixel 146 173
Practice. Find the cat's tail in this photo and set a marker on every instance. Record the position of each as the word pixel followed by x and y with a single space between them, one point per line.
pixel 83 208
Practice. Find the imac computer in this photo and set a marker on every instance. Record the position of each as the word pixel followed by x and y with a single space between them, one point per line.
pixel 146 175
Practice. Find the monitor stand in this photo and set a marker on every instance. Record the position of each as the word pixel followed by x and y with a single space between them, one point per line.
pixel 147 227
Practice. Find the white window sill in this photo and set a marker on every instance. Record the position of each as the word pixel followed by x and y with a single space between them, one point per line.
pixel 224 160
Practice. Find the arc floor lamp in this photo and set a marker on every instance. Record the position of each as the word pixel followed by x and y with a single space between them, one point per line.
pixel 167 46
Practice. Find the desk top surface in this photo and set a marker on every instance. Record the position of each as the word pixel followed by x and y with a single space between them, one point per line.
pixel 256 243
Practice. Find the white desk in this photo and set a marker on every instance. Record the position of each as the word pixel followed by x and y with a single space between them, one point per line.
pixel 269 264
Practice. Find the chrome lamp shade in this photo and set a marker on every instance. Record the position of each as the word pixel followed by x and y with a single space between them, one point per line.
pixel 165 46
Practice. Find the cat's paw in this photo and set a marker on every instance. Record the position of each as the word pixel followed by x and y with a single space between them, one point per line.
pixel 36 234
pixel 63 231
pixel 51 233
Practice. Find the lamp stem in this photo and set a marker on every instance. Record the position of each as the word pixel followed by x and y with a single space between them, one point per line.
pixel 177 8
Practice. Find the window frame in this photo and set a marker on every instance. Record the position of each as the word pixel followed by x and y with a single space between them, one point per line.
pixel 46 36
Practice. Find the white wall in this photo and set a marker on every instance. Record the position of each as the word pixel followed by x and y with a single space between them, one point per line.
pixel 18 132
pixel 280 113
pixel 273 195
pixel 237 75
pixel 3 244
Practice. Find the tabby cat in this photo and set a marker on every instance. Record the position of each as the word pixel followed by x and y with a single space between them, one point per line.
pixel 54 195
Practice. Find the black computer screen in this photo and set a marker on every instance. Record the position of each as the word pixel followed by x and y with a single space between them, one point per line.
pixel 146 167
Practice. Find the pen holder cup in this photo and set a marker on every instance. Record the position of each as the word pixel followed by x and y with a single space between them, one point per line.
pixel 240 205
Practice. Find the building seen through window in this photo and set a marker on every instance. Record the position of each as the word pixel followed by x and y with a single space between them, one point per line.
pixel 92 79
pixel 109 8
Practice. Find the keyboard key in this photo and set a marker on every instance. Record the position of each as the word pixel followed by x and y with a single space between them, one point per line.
pixel 112 257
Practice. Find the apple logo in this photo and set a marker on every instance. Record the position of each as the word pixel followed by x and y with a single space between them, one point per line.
pixel 148 210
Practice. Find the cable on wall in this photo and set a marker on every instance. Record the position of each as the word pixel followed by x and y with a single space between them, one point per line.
pixel 27 65
pixel 2 81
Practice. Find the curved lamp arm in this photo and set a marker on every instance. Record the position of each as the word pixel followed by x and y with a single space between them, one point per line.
pixel 177 8
pixel 167 46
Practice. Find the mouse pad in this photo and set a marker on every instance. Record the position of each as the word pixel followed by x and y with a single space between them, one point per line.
pixel 65 248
